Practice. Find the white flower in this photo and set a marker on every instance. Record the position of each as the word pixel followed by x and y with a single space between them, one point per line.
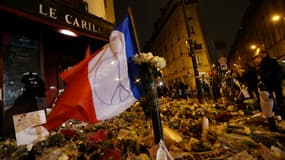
pixel 146 57
pixel 156 61
pixel 161 63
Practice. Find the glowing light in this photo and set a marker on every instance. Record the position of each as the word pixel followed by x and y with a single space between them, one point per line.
pixel 138 80
pixel 257 52
pixel 67 32
pixel 275 17
pixel 253 47
pixel 52 87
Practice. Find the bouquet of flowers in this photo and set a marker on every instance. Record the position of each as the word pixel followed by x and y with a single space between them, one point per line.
pixel 150 67
pixel 148 58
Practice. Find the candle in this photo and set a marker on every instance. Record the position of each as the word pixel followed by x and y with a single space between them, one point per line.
pixel 205 127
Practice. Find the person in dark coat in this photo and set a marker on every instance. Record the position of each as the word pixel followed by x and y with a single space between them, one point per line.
pixel 205 87
pixel 270 74
pixel 250 79
pixel 215 84
pixel 270 77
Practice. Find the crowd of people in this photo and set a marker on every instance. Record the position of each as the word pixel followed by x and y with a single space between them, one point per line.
pixel 259 79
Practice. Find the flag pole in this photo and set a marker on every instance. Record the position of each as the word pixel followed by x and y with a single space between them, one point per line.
pixel 151 90
pixel 134 30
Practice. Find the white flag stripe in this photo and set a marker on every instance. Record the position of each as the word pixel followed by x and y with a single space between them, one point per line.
pixel 109 80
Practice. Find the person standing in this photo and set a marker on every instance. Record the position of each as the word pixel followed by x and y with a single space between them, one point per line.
pixel 215 84
pixel 269 73
pixel 205 87
pixel 250 78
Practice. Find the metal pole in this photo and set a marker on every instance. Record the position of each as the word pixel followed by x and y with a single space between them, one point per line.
pixel 191 53
pixel 150 90
pixel 152 98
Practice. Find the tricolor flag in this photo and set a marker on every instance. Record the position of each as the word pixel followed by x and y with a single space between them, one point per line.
pixel 102 85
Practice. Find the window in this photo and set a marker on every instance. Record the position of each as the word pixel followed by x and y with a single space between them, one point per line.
pixel 192 29
pixel 198 59
pixel 182 64
pixel 105 4
pixel 178 36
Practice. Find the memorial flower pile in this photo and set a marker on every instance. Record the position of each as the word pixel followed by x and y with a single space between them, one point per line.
pixel 128 136
pixel 232 134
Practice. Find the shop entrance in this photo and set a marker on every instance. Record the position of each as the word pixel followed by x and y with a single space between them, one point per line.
pixel 27 46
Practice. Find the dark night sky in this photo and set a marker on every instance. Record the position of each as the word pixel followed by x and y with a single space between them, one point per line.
pixel 220 18
pixel 145 13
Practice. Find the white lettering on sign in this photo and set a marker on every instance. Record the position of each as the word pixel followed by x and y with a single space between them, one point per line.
pixel 80 23
pixel 41 10
pixel 75 23
pixel 84 25
pixel 50 12
pixel 69 19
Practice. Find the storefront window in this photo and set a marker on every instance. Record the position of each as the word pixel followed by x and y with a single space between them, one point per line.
pixel 21 55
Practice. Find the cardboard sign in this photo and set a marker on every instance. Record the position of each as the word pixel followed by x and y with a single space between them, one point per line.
pixel 25 129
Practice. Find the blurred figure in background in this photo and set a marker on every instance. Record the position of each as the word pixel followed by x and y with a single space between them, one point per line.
pixel 30 100
pixel 250 79
pixel 215 84
pixel 205 87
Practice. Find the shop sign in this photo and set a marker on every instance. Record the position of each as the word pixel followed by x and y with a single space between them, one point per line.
pixel 62 14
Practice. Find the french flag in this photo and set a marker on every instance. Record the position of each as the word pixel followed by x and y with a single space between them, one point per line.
pixel 102 85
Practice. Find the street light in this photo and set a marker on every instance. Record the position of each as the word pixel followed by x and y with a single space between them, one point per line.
pixel 256 49
pixel 276 18
pixel 67 32
pixel 253 47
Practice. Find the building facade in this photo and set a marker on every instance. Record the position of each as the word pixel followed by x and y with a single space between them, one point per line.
pixel 170 41
pixel 102 8
pixel 263 27
pixel 30 42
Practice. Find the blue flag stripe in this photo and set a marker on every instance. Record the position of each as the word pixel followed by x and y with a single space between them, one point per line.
pixel 133 69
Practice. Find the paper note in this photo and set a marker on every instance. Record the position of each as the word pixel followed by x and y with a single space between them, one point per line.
pixel 25 129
